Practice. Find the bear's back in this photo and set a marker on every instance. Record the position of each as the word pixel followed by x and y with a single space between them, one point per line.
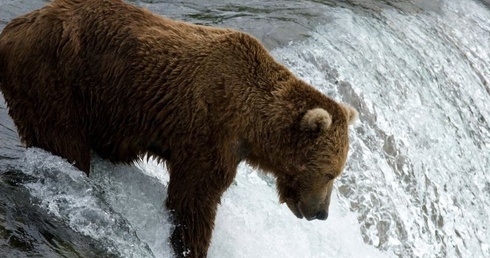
pixel 111 72
pixel 89 44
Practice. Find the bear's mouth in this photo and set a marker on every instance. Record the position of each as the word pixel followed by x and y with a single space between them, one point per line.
pixel 300 211
pixel 294 207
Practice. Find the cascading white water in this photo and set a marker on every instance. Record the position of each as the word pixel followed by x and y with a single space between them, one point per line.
pixel 418 173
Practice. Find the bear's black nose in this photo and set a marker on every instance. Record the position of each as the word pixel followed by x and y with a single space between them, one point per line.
pixel 322 215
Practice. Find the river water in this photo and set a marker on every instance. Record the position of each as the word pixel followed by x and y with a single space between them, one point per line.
pixel 415 185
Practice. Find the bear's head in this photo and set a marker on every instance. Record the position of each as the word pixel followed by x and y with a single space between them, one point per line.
pixel 320 139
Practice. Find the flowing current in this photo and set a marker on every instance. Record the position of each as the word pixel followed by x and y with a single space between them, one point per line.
pixel 416 182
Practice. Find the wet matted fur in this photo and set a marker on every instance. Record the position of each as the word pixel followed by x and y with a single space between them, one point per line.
pixel 107 76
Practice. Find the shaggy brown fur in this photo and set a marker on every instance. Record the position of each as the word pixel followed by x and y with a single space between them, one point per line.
pixel 103 75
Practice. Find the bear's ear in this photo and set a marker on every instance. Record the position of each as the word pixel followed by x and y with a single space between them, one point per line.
pixel 316 120
pixel 350 112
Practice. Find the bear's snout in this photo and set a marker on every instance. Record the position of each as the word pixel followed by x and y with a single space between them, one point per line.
pixel 311 211
pixel 322 215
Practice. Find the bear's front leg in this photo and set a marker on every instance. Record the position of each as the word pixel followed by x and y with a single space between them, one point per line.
pixel 194 193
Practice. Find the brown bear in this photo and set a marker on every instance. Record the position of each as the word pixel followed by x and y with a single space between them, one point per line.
pixel 109 77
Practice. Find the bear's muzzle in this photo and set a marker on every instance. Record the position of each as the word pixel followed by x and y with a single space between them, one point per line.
pixel 309 212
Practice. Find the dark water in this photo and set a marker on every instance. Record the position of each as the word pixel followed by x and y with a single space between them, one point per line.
pixel 417 180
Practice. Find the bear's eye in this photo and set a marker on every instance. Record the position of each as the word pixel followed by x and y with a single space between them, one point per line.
pixel 329 177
